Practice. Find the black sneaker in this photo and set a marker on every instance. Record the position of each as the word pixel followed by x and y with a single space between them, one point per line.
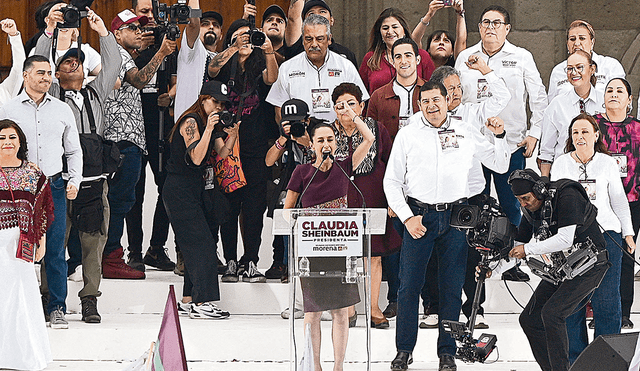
pixel 135 261
pixel 221 267
pixel 515 274
pixel 252 274
pixel 241 268
pixel 45 304
pixel 276 271
pixel 231 274
pixel 157 258
pixel 626 323
pixel 90 309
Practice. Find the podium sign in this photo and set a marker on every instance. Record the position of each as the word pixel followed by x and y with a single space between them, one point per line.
pixel 329 235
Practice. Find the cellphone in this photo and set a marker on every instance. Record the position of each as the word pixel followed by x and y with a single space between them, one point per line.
pixel 448 2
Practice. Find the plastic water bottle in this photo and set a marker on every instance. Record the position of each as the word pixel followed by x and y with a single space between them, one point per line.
pixel 351 275
pixel 303 267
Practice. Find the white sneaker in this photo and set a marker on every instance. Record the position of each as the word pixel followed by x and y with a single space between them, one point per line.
pixel 184 308
pixel 429 321
pixel 76 276
pixel 297 313
pixel 207 310
pixel 481 324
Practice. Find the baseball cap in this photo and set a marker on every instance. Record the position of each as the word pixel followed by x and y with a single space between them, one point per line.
pixel 294 110
pixel 274 9
pixel 213 15
pixel 126 17
pixel 73 52
pixel 310 4
pixel 215 89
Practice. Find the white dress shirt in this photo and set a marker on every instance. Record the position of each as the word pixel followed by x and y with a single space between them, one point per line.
pixel 558 116
pixel 519 71
pixel 611 199
pixel 418 167
pixel 51 132
pixel 297 77
pixel 10 86
pixel 608 68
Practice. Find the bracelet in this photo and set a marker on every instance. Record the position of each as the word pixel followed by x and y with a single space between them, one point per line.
pixel 422 21
pixel 501 135
pixel 460 13
pixel 265 53
pixel 278 145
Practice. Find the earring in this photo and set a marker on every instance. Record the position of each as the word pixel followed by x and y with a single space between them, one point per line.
pixel 603 105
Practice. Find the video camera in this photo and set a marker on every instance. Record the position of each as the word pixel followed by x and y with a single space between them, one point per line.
pixel 168 17
pixel 488 228
pixel 73 15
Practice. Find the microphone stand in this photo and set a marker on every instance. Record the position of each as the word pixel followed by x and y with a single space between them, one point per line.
pixel 325 155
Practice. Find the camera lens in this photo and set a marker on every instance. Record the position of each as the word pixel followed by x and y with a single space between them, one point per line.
pixel 466 216
pixel 257 38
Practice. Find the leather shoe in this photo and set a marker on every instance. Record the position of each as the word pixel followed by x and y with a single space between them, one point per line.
pixel 379 322
pixel 402 361
pixel 515 274
pixel 447 363
pixel 391 310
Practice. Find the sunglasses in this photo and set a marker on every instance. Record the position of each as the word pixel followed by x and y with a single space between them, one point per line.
pixel 132 27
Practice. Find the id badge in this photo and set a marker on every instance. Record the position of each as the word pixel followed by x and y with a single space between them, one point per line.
pixel 621 160
pixel 483 89
pixel 209 178
pixel 589 186
pixel 448 140
pixel 404 121
pixel 321 99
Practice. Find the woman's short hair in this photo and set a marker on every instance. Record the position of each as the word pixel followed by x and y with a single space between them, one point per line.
pixel 599 144
pixel 315 124
pixel 346 88
pixel 9 124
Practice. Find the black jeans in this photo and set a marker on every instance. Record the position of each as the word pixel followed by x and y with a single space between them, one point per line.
pixel 543 320
pixel 626 273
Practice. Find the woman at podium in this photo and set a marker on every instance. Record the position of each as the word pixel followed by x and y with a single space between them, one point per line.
pixel 324 184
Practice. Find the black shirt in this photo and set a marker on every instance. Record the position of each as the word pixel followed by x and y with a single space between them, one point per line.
pixel 297 48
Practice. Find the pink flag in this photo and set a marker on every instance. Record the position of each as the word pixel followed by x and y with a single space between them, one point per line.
pixel 169 353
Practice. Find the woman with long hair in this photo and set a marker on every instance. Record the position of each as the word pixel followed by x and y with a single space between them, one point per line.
pixel 190 175
pixel 587 161
pixel 621 135
pixel 26 209
pixel 327 187
pixel 377 68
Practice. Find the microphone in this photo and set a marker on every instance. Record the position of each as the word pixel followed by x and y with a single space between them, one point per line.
pixel 325 155
pixel 364 204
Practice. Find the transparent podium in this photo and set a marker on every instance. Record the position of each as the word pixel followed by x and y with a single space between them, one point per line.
pixel 324 250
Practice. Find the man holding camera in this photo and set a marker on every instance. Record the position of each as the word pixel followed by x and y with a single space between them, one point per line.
pixel 87 104
pixel 431 162
pixel 558 217
pixel 125 126
pixel 197 48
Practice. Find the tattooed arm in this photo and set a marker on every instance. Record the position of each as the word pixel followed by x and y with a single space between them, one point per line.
pixel 140 77
pixel 221 59
pixel 191 134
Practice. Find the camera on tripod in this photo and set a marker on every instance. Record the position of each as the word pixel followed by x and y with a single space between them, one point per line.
pixel 168 17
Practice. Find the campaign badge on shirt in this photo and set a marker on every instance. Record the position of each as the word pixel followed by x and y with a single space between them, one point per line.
pixel 448 140
pixel 321 99
pixel 209 178
pixel 483 89
pixel 404 121
pixel 621 160
pixel 589 186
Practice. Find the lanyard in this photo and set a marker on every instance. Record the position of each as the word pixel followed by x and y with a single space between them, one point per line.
pixel 409 94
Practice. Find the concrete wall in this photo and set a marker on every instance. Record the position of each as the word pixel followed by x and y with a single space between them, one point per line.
pixel 537 25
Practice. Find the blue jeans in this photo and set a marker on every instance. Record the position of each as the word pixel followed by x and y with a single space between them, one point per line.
pixel 607 308
pixel 508 201
pixel 122 195
pixel 54 259
pixel 451 247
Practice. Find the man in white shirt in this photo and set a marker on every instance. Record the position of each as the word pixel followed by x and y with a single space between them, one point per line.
pixel 518 69
pixel 430 164
pixel 50 128
pixel 198 47
pixel 312 75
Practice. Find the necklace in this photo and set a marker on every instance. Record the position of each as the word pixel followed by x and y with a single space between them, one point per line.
pixel 583 166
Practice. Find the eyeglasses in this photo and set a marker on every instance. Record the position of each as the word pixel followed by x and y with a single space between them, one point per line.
pixel 132 27
pixel 571 69
pixel 496 24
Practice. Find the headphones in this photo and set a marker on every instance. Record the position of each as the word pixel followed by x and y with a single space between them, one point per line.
pixel 539 189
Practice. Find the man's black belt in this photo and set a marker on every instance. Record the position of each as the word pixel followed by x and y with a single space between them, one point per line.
pixel 435 207
pixel 55 177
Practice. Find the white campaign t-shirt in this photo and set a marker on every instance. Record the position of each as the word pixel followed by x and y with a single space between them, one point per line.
pixel 190 70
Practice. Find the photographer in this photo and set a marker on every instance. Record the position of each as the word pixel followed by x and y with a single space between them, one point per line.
pixel 249 72
pixel 87 237
pixel 556 218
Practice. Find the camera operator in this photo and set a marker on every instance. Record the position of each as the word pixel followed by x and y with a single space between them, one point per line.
pixel 125 126
pixel 249 72
pixel 197 47
pixel 156 95
pixel 431 162
pixel 572 220
pixel 10 86
pixel 87 104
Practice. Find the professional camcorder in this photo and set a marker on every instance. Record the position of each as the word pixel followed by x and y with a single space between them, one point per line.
pixel 168 17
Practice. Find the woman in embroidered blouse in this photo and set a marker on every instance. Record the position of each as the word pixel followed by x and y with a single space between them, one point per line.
pixel 325 186
pixel 587 161
pixel 621 135
pixel 26 209
pixel 368 178
pixel 377 68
